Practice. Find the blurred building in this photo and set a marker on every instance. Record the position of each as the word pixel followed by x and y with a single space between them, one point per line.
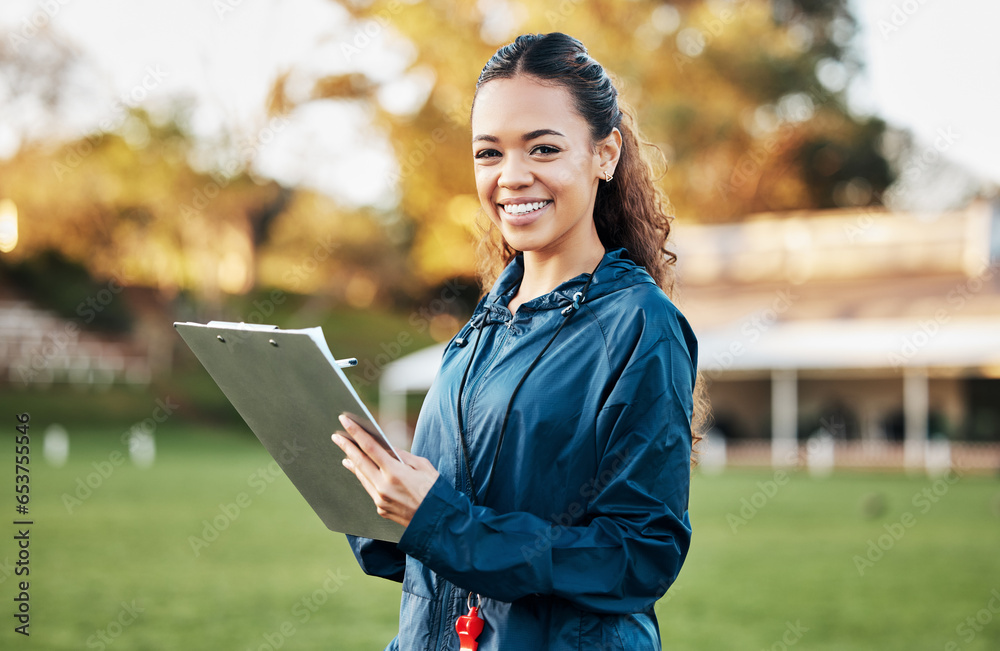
pixel 876 331
pixel 880 330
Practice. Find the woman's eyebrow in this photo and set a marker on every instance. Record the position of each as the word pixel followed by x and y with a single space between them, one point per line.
pixel 538 133
pixel 531 135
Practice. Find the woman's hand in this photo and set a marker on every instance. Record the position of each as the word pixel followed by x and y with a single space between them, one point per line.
pixel 396 488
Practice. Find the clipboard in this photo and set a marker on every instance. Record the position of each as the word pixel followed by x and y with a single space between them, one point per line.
pixel 289 388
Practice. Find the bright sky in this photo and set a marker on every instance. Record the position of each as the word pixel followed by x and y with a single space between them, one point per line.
pixel 932 66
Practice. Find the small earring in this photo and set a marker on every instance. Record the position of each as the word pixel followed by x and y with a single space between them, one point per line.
pixel 608 176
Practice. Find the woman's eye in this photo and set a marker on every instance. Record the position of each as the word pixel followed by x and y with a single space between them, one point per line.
pixel 487 153
pixel 545 149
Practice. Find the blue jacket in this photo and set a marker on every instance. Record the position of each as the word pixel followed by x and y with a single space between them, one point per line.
pixel 585 525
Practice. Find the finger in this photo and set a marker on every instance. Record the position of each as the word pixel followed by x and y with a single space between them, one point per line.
pixel 360 462
pixel 413 460
pixel 369 487
pixel 366 442
pixel 375 486
pixel 366 480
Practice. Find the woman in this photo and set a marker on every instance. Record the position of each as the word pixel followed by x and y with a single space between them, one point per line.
pixel 548 484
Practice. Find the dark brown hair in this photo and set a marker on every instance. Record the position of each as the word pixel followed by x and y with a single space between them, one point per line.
pixel 630 212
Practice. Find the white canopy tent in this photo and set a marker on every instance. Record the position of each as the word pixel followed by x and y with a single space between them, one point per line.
pixel 782 349
pixel 410 374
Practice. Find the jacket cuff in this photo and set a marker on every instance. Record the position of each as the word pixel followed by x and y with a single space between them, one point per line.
pixel 424 524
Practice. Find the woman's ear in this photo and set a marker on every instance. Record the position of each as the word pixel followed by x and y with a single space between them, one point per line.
pixel 609 151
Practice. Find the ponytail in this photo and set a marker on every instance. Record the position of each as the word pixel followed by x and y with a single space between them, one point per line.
pixel 630 211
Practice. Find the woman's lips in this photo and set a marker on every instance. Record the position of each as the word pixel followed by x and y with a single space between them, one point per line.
pixel 523 218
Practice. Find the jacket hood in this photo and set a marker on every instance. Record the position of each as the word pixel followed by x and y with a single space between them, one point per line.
pixel 614 273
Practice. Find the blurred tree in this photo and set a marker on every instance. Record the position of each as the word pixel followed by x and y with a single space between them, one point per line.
pixel 39 78
pixel 744 98
pixel 141 200
pixel 130 206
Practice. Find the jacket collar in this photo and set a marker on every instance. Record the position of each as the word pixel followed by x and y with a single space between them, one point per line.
pixel 615 272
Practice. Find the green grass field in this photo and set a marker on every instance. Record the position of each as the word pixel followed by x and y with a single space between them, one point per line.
pixel 120 564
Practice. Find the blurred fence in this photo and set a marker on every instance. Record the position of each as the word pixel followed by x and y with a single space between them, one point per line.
pixel 38 347
pixel 868 455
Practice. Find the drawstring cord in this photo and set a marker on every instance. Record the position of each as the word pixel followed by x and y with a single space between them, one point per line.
pixel 461 387
pixel 566 312
pixel 478 323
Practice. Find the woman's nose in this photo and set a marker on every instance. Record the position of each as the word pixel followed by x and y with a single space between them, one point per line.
pixel 515 173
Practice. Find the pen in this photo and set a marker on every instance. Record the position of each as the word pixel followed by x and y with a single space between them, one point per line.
pixel 347 362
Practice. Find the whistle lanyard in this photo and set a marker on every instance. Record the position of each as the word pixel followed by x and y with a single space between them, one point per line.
pixel 469 626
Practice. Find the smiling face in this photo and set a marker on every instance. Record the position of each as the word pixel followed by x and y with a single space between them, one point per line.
pixel 536 166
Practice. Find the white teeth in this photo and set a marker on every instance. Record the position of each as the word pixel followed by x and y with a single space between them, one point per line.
pixel 521 208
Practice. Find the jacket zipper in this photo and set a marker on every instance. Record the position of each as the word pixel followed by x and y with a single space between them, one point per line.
pixel 443 627
pixel 497 350
pixel 470 385
pixel 445 611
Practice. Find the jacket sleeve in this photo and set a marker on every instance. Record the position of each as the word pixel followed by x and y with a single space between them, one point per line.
pixel 622 549
pixel 378 557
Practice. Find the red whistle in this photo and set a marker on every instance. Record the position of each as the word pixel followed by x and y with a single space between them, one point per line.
pixel 469 627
